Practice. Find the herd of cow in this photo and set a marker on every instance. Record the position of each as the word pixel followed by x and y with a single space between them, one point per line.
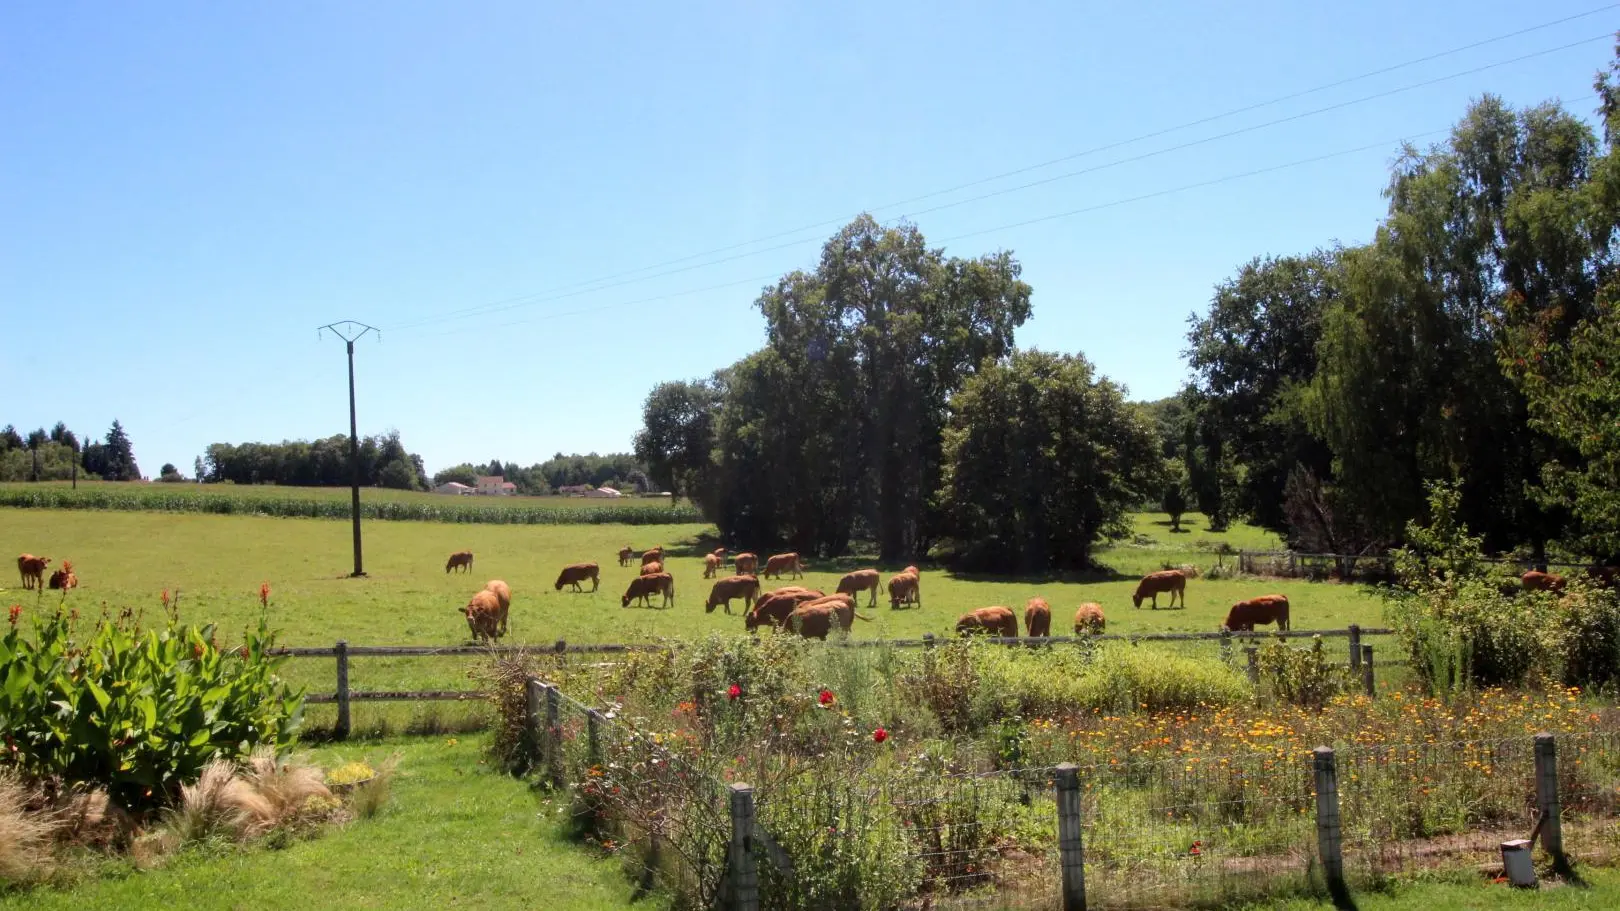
pixel 814 614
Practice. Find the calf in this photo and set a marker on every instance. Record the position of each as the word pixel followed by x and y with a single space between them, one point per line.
pixel 1536 581
pixel 997 621
pixel 64 578
pixel 461 559
pixel 1089 619
pixel 780 563
pixel 1154 584
pixel 644 587
pixel 575 573
pixel 859 581
pixel 625 553
pixel 812 621
pixel 711 566
pixel 32 569
pixel 747 563
pixel 652 569
pixel 656 555
pixel 483 614
pixel 503 596
pixel 1244 615
pixel 1037 618
pixel 744 587
pixel 843 608
pixel 905 588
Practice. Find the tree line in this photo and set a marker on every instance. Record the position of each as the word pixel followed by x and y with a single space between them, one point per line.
pixel 384 462
pixel 57 455
pixel 620 470
pixel 1472 340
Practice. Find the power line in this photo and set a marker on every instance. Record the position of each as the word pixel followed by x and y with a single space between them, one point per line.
pixel 579 287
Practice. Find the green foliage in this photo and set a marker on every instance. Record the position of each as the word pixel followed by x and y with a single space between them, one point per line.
pixel 676 441
pixel 1173 500
pixel 1302 676
pixel 384 462
pixel 113 459
pixel 140 712
pixel 1042 461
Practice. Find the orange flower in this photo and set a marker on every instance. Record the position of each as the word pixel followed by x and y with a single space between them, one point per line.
pixel 264 594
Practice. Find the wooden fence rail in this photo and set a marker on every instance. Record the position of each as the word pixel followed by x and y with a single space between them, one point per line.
pixel 342 652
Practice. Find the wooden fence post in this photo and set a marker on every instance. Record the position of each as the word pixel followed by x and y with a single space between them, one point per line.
pixel 742 856
pixel 1253 654
pixel 554 734
pixel 1292 571
pixel 1329 838
pixel 1226 645
pixel 1552 830
pixel 1355 646
pixel 593 736
pixel 531 717
pixel 1071 852
pixel 341 650
pixel 1369 684
pixel 928 640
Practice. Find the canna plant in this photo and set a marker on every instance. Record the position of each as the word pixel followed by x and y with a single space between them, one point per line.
pixel 137 711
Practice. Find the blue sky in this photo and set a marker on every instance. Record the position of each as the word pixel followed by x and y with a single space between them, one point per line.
pixel 190 188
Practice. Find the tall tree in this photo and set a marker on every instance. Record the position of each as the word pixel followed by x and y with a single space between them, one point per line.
pixel 120 456
pixel 677 438
pixel 36 441
pixel 1042 460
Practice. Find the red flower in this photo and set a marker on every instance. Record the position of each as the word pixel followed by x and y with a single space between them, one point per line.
pixel 826 697
pixel 16 611
pixel 734 692
pixel 1197 849
pixel 264 594
pixel 197 650
pixel 165 597
pixel 880 735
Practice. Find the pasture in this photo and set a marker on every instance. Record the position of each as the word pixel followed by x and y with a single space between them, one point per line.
pixel 217 563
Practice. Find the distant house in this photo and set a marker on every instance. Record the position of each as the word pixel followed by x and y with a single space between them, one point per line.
pixel 575 490
pixel 603 492
pixel 455 488
pixel 495 486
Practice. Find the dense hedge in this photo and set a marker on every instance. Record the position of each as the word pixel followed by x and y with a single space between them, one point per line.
pixel 158 500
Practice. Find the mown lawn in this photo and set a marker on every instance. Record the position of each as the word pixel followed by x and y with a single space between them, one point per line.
pixel 216 564
pixel 455 835
pixel 1601 893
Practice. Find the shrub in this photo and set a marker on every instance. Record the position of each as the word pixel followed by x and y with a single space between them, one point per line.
pixel 1302 676
pixel 1125 678
pixel 141 712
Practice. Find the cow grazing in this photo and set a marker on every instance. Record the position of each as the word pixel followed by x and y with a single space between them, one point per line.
pixel 784 563
pixel 461 559
pixel 483 614
pixel 724 590
pixel 1037 618
pixel 859 581
pixel 656 555
pixel 625 555
pixel 1155 584
pixel 32 569
pixel 747 564
pixel 773 608
pixel 1244 615
pixel 812 621
pixel 905 588
pixel 1089 619
pixel 503 595
pixel 652 569
pixel 996 621
pixel 711 566
pixel 576 573
pixel 1535 581
pixel 64 579
pixel 644 587
pixel 843 607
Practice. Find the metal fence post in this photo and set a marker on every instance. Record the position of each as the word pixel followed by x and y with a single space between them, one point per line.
pixel 593 736
pixel 1552 830
pixel 1355 646
pixel 1369 684
pixel 341 650
pixel 1329 838
pixel 742 855
pixel 1071 852
pixel 554 733
pixel 1252 653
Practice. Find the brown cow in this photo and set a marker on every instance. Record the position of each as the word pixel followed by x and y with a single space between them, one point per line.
pixel 32 569
pixel 625 554
pixel 905 588
pixel 1155 584
pixel 1535 581
pixel 483 614
pixel 859 581
pixel 64 578
pixel 711 566
pixel 843 607
pixel 461 559
pixel 644 587
pixel 652 569
pixel 997 621
pixel 773 607
pixel 1262 610
pixel 652 556
pixel 1089 619
pixel 747 563
pixel 720 554
pixel 812 621
pixel 575 573
pixel 781 563
pixel 744 587
pixel 1037 618
pixel 503 595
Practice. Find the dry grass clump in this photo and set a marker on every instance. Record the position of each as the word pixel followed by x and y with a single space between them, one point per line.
pixel 266 793
pixel 26 836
